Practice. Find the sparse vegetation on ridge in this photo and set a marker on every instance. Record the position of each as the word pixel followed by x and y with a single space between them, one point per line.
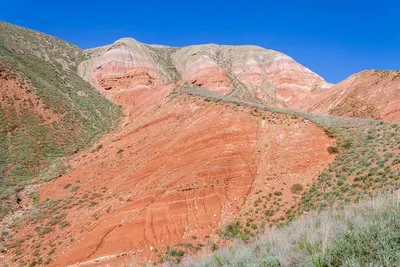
pixel 369 162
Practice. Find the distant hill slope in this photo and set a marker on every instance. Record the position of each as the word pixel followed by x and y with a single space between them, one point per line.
pixel 46 109
pixel 367 94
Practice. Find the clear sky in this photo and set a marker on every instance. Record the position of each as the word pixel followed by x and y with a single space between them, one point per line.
pixel 333 38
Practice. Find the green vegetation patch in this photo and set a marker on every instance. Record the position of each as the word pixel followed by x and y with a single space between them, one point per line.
pixel 46 67
pixel 369 163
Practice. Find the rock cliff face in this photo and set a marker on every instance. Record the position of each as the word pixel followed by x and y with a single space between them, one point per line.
pixel 247 72
pixel 127 64
pixel 198 66
pixel 268 76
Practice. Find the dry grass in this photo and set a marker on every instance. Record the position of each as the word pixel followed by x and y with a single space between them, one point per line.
pixel 322 239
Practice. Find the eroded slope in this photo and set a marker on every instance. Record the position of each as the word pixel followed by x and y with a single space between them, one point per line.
pixel 175 171
pixel 246 72
pixel 368 94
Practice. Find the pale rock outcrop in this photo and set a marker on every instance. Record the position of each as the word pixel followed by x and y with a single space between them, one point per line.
pixel 269 76
pixel 198 66
pixel 247 72
pixel 127 64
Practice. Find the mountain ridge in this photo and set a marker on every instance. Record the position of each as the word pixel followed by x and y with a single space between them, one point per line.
pixel 248 72
pixel 210 66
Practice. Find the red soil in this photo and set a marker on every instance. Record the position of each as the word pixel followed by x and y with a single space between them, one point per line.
pixel 179 168
pixel 367 94
pixel 186 168
pixel 176 170
pixel 20 98
pixel 132 79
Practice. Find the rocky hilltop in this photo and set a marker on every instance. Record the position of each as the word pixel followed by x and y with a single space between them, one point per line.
pixel 246 72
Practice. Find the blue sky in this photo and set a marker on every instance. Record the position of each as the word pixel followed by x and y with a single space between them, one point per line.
pixel 333 38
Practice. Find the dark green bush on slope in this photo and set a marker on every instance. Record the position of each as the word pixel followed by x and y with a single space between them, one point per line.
pixel 377 243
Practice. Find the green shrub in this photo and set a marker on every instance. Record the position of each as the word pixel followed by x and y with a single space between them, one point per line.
pixel 269 261
pixel 377 243
pixel 296 189
pixel 235 230
pixel 315 260
pixel 333 150
pixel 214 246
pixel 172 255
pixel 347 145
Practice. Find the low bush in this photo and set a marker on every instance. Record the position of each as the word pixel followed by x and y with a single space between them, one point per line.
pixel 296 189
pixel 333 150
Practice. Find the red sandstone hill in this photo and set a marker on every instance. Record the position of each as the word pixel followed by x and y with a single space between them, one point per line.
pixel 368 94
pixel 180 167
pixel 247 72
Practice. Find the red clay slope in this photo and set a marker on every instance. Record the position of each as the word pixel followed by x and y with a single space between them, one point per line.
pixel 367 94
pixel 178 168
pixel 173 172
pixel 19 98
